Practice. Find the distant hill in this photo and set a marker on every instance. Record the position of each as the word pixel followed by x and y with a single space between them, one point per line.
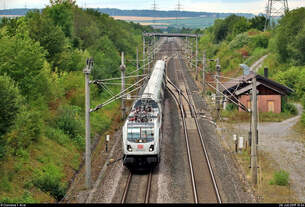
pixel 152 13
pixel 17 12
pixel 142 13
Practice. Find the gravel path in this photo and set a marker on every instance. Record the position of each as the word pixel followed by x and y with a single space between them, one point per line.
pixel 286 148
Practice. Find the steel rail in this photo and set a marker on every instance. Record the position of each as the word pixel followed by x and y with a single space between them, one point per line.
pixel 124 197
pixel 128 182
pixel 202 144
pixel 187 144
pixel 148 187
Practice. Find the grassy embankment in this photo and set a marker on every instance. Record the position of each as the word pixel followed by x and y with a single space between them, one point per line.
pixel 42 127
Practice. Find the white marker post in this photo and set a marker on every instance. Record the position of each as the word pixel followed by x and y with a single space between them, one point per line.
pixel 235 142
pixel 241 143
pixel 107 141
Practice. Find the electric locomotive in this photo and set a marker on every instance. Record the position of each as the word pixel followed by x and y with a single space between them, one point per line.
pixel 142 133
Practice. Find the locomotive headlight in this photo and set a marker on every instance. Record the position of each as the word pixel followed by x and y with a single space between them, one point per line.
pixel 151 148
pixel 129 149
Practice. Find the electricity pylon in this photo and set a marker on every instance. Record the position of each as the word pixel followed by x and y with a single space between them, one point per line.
pixel 275 8
pixel 154 8
pixel 179 8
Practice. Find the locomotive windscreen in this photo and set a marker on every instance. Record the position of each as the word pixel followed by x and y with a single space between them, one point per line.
pixel 150 102
pixel 141 134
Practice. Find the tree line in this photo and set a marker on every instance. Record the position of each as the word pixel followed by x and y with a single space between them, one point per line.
pixel 42 56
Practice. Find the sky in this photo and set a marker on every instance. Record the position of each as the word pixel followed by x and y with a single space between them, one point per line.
pixel 234 6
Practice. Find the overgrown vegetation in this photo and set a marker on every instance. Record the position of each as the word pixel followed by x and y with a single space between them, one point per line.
pixel 280 178
pixel 237 40
pixel 42 56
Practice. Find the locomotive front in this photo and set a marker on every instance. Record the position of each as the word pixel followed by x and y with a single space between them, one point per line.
pixel 142 130
pixel 141 135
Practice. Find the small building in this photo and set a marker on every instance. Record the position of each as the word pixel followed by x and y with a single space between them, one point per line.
pixel 270 93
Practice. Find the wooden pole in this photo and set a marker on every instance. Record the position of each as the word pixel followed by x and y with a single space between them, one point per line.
pixel 143 54
pixel 254 132
pixel 196 62
pixel 138 72
pixel 203 72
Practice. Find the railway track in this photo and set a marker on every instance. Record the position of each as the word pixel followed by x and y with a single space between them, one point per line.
pixel 130 189
pixel 204 186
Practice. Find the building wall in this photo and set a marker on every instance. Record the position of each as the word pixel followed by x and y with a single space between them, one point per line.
pixel 263 102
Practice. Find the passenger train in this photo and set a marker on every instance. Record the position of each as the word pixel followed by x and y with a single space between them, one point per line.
pixel 142 133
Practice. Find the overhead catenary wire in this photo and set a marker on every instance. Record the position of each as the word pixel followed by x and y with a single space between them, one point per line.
pixel 118 95
pixel 242 106
pixel 110 79
pixel 225 77
pixel 230 93
pixel 106 89
pixel 105 83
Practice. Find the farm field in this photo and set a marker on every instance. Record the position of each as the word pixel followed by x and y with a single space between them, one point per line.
pixel 186 22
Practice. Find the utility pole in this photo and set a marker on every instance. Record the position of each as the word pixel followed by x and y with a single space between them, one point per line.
pixel 148 56
pixel 192 56
pixel 196 62
pixel 123 68
pixel 154 52
pixel 203 72
pixel 254 131
pixel 143 54
pixel 218 68
pixel 87 72
pixel 187 49
pixel 138 72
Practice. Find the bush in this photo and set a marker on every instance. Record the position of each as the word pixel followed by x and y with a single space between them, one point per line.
pixel 290 108
pixel 57 135
pixel 5 184
pixel 68 120
pixel 25 198
pixel 303 118
pixel 10 101
pixel 49 180
pixel 260 40
pixel 239 41
pixel 280 178
pixel 26 130
pixel 231 107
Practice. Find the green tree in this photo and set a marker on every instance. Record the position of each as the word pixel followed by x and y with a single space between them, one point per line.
pixel 61 12
pixel 220 30
pixel 50 37
pixel 27 129
pixel 106 58
pixel 240 26
pixel 258 22
pixel 10 101
pixel 290 37
pixel 21 59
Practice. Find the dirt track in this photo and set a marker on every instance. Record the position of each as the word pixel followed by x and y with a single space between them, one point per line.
pixel 285 146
